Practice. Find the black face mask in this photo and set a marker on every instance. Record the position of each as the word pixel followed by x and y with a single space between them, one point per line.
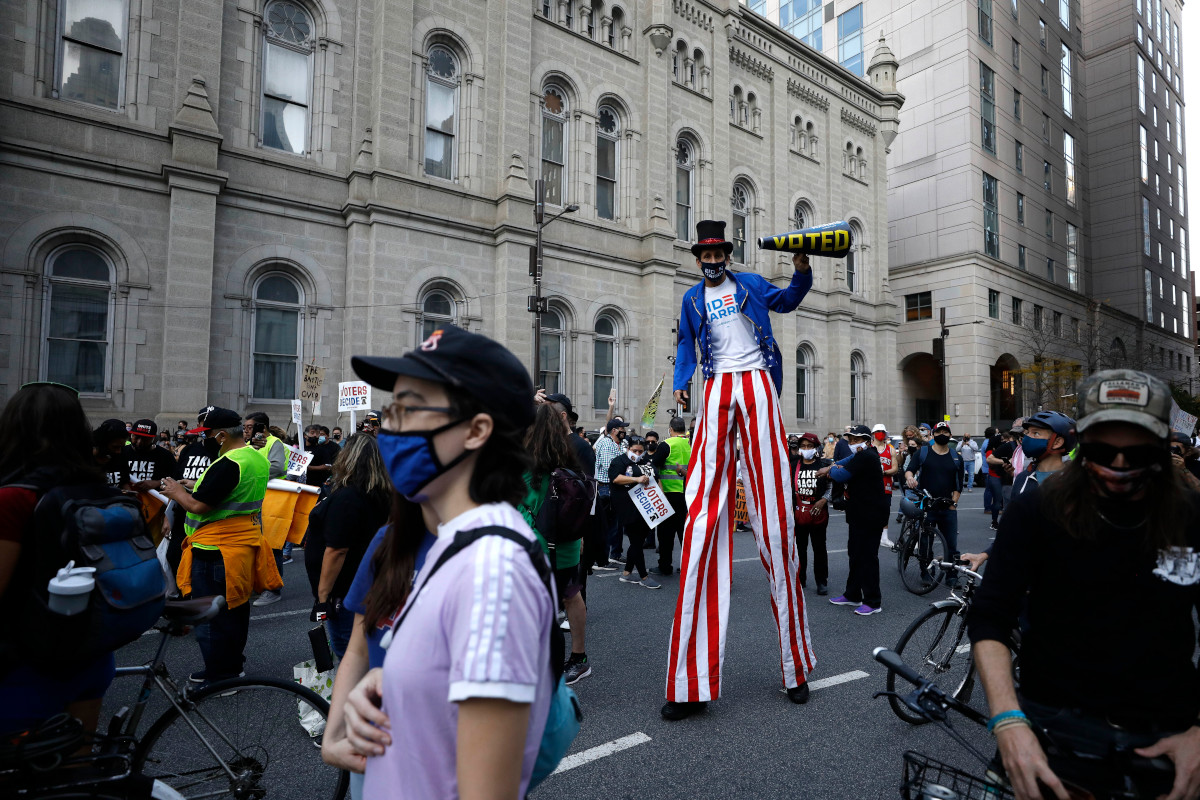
pixel 942 438
pixel 714 271
pixel 212 447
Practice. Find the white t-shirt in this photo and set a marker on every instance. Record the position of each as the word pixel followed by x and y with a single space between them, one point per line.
pixel 733 345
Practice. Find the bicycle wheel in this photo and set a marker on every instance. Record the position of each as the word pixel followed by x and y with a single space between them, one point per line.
pixel 916 558
pixel 253 724
pixel 937 647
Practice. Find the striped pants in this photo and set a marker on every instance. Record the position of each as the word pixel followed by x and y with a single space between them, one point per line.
pixel 748 401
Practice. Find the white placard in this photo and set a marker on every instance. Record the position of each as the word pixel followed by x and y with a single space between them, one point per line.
pixel 297 412
pixel 317 409
pixel 298 460
pixel 651 503
pixel 353 395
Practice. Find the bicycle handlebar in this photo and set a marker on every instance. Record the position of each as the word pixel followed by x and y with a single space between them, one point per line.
pixel 891 659
pixel 956 566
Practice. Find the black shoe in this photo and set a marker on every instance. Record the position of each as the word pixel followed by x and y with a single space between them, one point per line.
pixel 822 588
pixel 660 571
pixel 995 525
pixel 677 711
pixel 798 694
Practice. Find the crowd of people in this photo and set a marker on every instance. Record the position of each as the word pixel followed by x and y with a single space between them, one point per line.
pixel 448 549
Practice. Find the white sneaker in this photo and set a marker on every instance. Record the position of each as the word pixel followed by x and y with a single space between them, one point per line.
pixel 884 541
pixel 267 598
pixel 565 624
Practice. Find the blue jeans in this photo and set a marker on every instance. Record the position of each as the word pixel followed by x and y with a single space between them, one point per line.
pixel 223 640
pixel 612 527
pixel 947 521
pixel 338 629
pixel 993 499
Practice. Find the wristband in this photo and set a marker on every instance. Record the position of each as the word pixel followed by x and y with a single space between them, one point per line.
pixel 1019 722
pixel 1003 715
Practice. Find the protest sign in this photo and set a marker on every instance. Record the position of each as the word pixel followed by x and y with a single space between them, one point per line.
pixel 311 382
pixel 297 411
pixel 741 514
pixel 651 503
pixel 298 460
pixel 1181 421
pixel 317 409
pixel 353 396
pixel 652 406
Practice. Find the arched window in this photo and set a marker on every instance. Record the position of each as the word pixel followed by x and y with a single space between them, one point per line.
pixel 441 113
pixel 693 69
pixel 78 319
pixel 852 266
pixel 614 30
pixel 551 351
pixel 278 301
pixel 750 111
pixel 589 23
pixel 737 106
pixel 804 364
pixel 287 76
pixel 685 166
pixel 604 368
pixel 861 163
pixel 554 144
pixel 437 309
pixel 678 57
pixel 608 129
pixel 850 162
pixel 857 393
pixel 91 55
pixel 741 221
pixel 801 215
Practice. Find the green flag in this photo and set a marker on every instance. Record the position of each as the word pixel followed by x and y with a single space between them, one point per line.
pixel 652 406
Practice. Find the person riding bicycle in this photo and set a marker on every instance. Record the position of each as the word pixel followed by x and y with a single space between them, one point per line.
pixel 937 469
pixel 1107 558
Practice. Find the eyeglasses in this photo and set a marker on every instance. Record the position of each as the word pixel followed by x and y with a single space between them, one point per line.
pixel 1137 456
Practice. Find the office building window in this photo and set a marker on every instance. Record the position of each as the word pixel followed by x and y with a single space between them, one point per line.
pixel 1020 157
pixel 91 52
pixel 1148 292
pixel 1046 181
pixel 608 131
pixel 1142 139
pixel 287 75
pixel 918 306
pixel 603 361
pixel 1042 33
pixel 1138 26
pixel 1179 125
pixel 985 20
pixel 554 145
pixel 1145 226
pixel 1020 209
pixel 1046 127
pixel 1179 183
pixel 1057 323
pixel 740 203
pixel 1050 269
pixel 441 112
pixel 802 19
pixel 1175 47
pixel 987 85
pixel 1015 11
pixel 804 361
pixel 437 310
pixel 1049 224
pixel 684 189
pixel 1016 311
pixel 1064 13
pixel 991 217
pixel 1045 80
pixel 1068 102
pixel 850 38
pixel 1021 256
pixel 993 304
pixel 278 303
pixel 1072 257
pixel 1037 318
pixel 78 310
pixel 1159 245
pixel 1183 254
pixel 856 386
pixel 1016 55
pixel 1069 163
pixel 1016 105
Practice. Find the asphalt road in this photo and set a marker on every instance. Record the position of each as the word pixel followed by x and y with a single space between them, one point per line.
pixel 751 743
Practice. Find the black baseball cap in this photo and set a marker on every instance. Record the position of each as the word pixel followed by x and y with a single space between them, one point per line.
pixel 215 417
pixel 942 426
pixel 562 400
pixel 482 367
pixel 145 427
pixel 861 431
pixel 110 429
pixel 614 423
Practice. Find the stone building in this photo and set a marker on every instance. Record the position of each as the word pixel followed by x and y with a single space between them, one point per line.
pixel 202 196
pixel 1036 193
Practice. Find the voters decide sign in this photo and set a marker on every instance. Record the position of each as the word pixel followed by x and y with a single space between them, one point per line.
pixel 353 396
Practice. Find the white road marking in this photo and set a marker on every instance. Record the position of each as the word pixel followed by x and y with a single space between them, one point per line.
pixel 963 648
pixel 276 615
pixel 600 751
pixel 834 680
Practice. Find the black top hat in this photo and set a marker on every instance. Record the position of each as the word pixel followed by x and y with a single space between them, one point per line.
pixel 711 233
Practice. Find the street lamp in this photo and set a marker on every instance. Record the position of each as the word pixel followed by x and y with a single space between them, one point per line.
pixel 536 303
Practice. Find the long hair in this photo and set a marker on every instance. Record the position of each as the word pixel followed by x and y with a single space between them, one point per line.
pixel 546 442
pixel 44 427
pixel 360 465
pixel 1069 500
pixel 496 477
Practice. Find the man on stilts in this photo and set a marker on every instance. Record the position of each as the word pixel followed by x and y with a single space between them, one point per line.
pixel 727 315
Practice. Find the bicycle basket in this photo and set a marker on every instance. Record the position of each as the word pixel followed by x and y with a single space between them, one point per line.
pixel 926 779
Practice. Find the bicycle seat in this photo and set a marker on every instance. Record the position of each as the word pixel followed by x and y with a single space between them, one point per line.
pixel 194 610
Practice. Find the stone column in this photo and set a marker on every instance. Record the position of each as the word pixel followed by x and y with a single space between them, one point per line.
pixel 194 182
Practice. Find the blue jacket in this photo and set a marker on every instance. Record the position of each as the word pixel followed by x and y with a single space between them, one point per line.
pixel 755 296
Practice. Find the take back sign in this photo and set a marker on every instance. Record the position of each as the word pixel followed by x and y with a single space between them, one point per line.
pixel 353 396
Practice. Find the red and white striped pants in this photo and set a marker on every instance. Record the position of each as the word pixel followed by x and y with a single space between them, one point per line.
pixel 747 400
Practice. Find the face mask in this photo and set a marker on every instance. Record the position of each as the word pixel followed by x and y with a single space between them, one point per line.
pixel 829 439
pixel 854 448
pixel 634 457
pixel 1119 483
pixel 942 438
pixel 880 436
pixel 320 440
pixel 411 460
pixel 714 271
pixel 1034 448
pixel 808 454
pixel 211 446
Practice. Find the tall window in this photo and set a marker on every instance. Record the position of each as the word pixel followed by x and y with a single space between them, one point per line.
pixel 1072 257
pixel 554 145
pixel 276 345
pixel 800 216
pixel 741 214
pixel 993 304
pixel 1016 105
pixel 1064 13
pixel 1141 69
pixel 1049 224
pixel 1037 318
pixel 1068 102
pixel 1050 269
pixel 1020 157
pixel 551 352
pixel 803 382
pixel 1179 183
pixel 1046 178
pixel 918 306
pixel 850 38
pixel 1179 124
pixel 91 66
pixel 987 87
pixel 287 77
pixel 985 20
pixel 1016 311
pixel 437 309
pixel 608 129
pixel 77 319
pixel 856 387
pixel 441 113
pixel 1020 209
pixel 1148 287
pixel 991 217
pixel 685 165
pixel 603 362
pixel 1016 55
pixel 1021 256
pixel 1069 160
pixel 852 265
pixel 802 19
pixel 1057 323
pixel 1142 138
pixel 1145 226
pixel 1042 33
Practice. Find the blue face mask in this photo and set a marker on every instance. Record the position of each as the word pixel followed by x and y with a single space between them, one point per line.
pixel 411 460
pixel 714 271
pixel 1034 448
pixel 320 440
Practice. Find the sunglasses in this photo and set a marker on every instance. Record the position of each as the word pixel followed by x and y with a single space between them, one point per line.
pixel 1138 456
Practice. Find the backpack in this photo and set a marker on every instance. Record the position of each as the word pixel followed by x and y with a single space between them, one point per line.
pixel 94 526
pixel 568 504
pixel 565 715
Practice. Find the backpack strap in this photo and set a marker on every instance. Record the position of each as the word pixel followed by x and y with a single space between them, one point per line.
pixel 464 539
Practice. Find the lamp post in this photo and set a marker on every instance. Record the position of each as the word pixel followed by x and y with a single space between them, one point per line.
pixel 536 304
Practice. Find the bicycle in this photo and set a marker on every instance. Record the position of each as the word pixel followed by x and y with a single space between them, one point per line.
pixel 239 738
pixel 925 778
pixel 921 545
